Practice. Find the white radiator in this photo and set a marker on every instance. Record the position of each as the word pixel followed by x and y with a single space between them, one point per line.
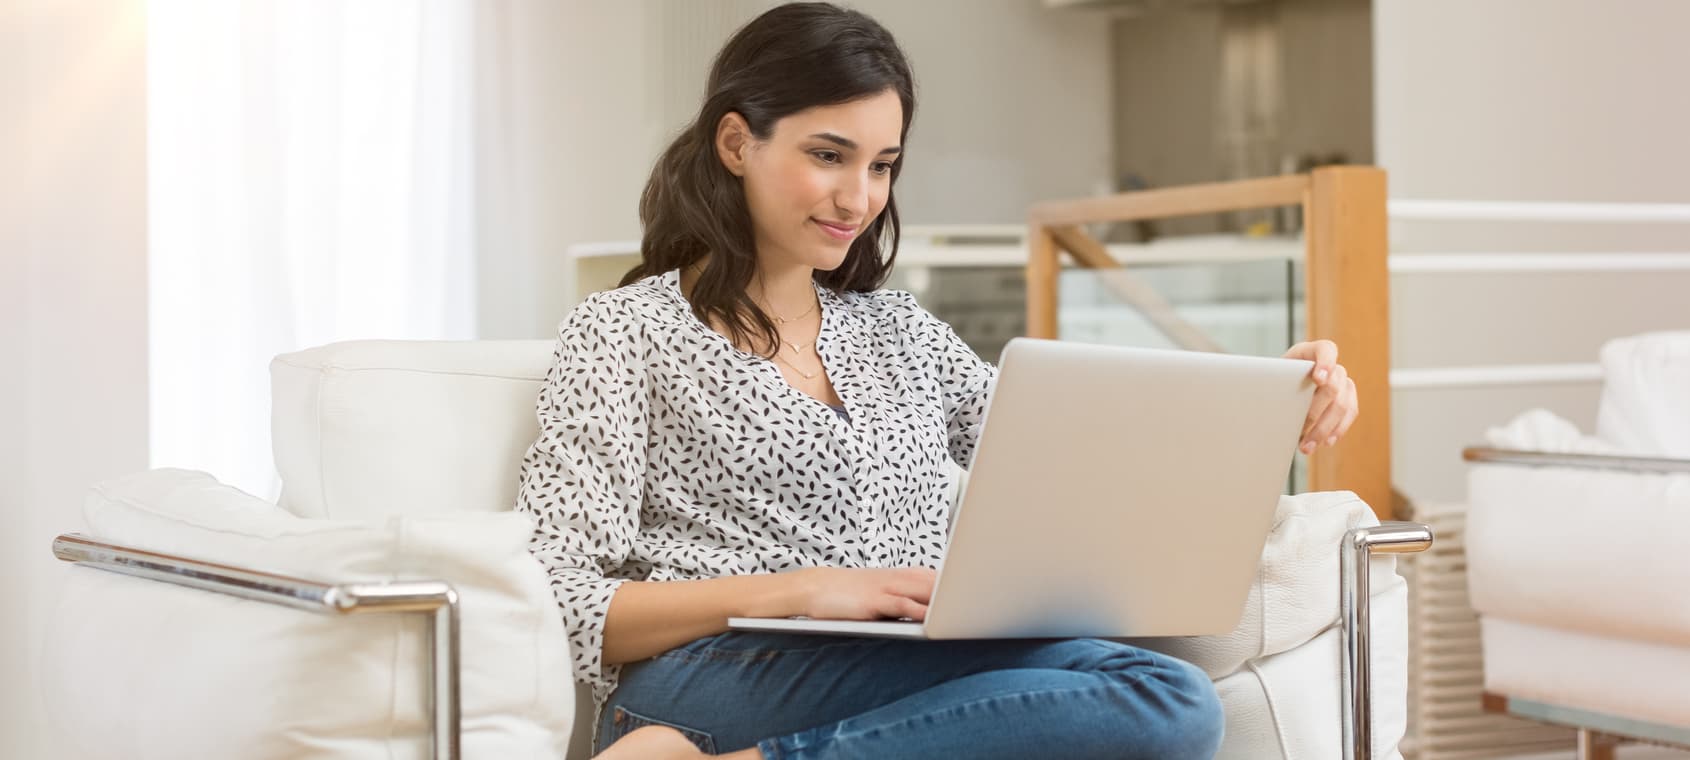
pixel 1445 667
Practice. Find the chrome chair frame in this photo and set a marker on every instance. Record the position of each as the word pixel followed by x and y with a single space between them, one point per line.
pixel 435 599
pixel 1355 616
pixel 1488 455
pixel 438 600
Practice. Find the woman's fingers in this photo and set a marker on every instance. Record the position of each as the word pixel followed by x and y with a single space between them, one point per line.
pixel 1320 406
pixel 902 607
pixel 1317 407
pixel 1332 415
pixel 1326 363
pixel 916 583
pixel 909 593
pixel 1354 408
pixel 869 593
pixel 1335 404
pixel 1323 353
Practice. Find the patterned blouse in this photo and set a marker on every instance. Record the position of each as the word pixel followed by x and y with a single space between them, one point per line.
pixel 666 453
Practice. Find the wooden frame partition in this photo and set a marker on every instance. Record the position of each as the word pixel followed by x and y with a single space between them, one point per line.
pixel 1346 289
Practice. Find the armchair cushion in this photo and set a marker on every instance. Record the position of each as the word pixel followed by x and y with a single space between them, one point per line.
pixel 1567 547
pixel 150 670
pixel 370 428
pixel 1599 552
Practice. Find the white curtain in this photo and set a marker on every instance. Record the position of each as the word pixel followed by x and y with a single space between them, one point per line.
pixel 311 179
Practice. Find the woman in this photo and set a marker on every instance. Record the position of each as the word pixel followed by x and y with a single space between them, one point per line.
pixel 749 426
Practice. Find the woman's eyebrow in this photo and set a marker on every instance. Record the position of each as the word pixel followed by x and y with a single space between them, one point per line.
pixel 849 144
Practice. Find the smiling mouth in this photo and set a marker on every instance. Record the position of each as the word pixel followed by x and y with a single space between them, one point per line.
pixel 841 232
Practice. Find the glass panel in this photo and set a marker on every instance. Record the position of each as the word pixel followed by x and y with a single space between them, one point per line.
pixel 1248 307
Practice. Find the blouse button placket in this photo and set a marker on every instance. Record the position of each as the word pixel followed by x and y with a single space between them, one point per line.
pixel 863 457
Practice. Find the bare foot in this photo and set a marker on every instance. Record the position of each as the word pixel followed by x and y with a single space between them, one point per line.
pixel 651 743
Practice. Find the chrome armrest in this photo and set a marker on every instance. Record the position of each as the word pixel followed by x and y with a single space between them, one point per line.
pixel 1355 616
pixel 433 598
pixel 1487 455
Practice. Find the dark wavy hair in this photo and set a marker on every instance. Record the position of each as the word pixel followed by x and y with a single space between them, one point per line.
pixel 789 59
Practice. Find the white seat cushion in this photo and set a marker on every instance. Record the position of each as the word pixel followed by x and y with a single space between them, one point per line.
pixel 148 670
pixel 376 428
pixel 1595 551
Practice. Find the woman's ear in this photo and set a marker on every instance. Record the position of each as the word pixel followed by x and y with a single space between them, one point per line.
pixel 733 141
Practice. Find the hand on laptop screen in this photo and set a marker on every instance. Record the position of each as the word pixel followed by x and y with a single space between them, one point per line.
pixel 1334 406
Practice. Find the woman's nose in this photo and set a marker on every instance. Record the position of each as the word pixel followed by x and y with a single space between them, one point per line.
pixel 851 197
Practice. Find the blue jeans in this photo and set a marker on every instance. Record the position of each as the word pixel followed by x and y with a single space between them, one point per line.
pixel 802 697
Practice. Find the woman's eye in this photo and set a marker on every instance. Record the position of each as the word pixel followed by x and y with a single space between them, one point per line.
pixel 826 156
pixel 883 167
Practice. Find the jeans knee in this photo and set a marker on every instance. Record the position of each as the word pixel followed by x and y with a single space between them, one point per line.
pixel 1196 721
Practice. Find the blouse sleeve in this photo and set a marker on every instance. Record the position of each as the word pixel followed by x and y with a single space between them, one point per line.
pixel 581 480
pixel 965 380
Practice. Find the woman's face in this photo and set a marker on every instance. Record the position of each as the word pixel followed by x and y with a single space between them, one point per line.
pixel 819 180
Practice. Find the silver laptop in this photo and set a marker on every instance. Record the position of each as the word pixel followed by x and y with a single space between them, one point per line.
pixel 1115 492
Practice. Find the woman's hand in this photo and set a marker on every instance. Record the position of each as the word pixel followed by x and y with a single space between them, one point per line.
pixel 1334 405
pixel 841 593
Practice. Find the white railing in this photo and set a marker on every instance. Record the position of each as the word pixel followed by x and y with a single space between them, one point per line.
pixel 1451 263
pixel 1499 262
pixel 1537 211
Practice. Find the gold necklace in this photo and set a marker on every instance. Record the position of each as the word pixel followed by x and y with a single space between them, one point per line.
pixel 784 320
pixel 797 348
pixel 795 368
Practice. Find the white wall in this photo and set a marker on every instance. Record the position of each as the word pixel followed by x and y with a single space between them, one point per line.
pixel 1524 100
pixel 72 301
pixel 1533 99
pixel 567 137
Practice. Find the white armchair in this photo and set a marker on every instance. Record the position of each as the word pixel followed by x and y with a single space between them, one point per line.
pixel 1575 556
pixel 399 468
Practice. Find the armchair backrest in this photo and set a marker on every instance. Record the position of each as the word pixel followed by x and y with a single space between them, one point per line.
pixel 1645 408
pixel 366 429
